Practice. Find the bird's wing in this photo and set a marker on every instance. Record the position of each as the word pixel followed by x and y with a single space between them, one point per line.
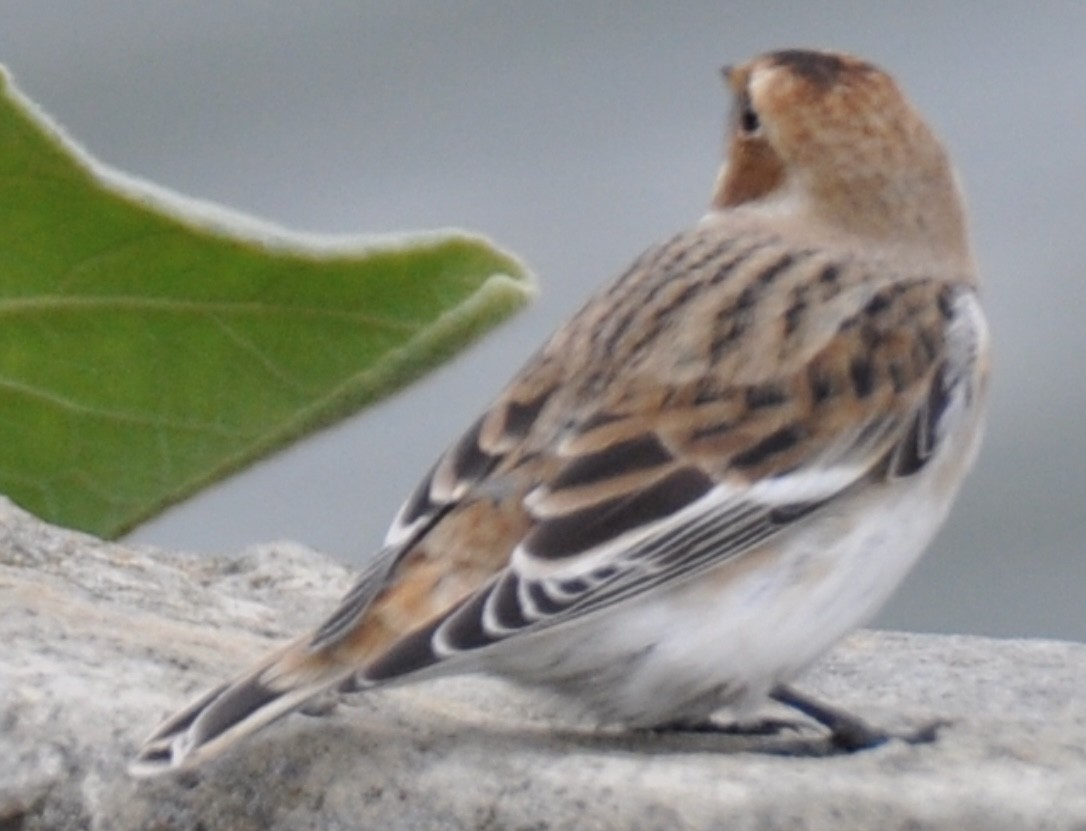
pixel 633 501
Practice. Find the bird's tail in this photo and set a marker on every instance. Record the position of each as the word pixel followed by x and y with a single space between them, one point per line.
pixel 279 684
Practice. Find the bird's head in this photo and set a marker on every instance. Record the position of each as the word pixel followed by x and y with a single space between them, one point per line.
pixel 829 139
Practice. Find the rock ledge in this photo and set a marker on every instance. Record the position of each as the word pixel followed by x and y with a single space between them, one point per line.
pixel 101 640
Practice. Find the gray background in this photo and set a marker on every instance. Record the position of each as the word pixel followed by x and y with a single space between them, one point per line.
pixel 576 133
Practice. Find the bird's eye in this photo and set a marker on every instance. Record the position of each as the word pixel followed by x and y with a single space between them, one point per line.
pixel 749 122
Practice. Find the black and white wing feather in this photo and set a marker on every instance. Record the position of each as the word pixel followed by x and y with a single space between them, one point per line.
pixel 632 504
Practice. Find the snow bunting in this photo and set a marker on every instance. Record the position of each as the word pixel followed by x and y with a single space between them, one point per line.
pixel 728 459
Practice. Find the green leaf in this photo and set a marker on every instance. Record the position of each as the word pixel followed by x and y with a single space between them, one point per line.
pixel 149 345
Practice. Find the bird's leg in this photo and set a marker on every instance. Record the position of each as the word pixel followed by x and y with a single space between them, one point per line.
pixel 761 727
pixel 848 732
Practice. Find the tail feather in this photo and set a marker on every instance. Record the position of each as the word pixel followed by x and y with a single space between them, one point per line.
pixel 234 710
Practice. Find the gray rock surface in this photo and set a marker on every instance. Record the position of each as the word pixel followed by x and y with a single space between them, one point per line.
pixel 99 641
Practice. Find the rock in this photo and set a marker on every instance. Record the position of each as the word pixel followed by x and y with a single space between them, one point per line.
pixel 101 640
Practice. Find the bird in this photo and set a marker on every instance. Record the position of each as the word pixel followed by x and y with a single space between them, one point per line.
pixel 726 461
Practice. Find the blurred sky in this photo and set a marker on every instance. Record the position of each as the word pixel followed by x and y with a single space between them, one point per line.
pixel 576 133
